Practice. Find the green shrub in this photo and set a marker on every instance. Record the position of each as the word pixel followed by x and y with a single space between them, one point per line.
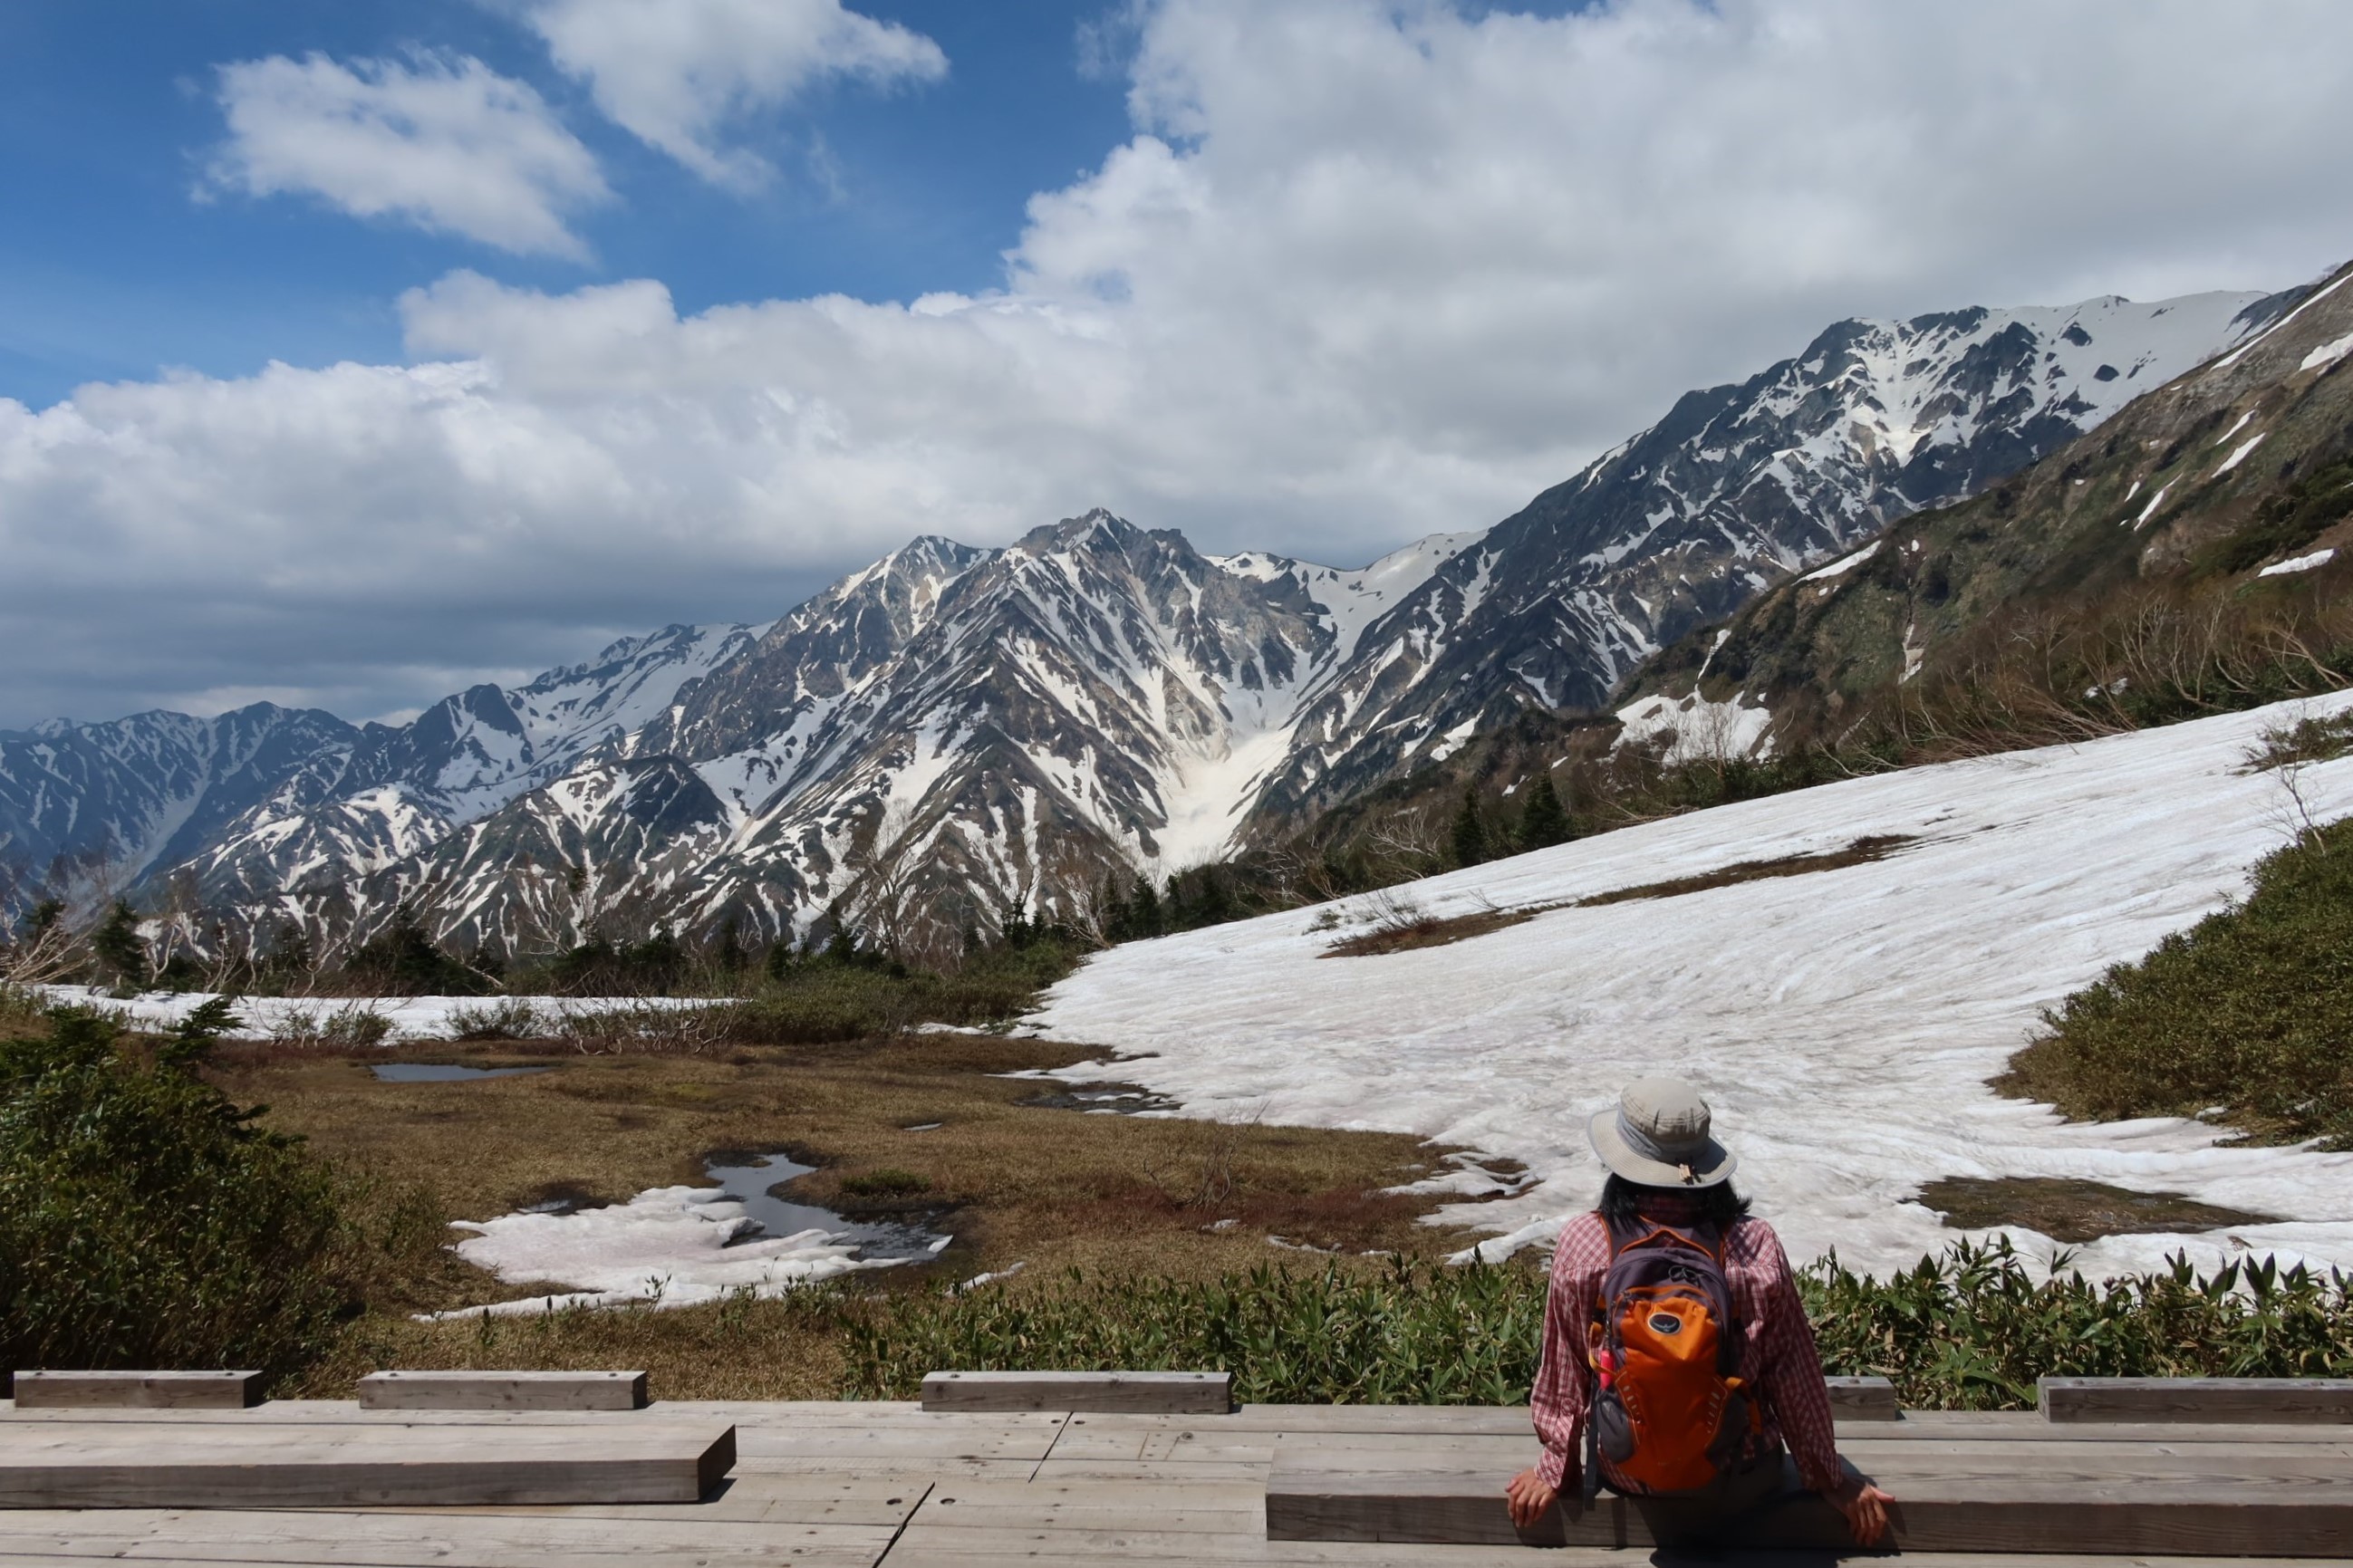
pixel 1973 1330
pixel 2250 1010
pixel 1417 1335
pixel 1970 1329
pixel 144 1221
pixel 817 1000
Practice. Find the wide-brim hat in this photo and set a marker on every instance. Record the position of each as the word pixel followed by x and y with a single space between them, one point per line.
pixel 1657 1136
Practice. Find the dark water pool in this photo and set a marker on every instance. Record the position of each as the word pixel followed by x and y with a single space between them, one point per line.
pixel 442 1072
pixel 750 1184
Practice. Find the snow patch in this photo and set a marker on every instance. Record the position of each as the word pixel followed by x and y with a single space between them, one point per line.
pixel 1704 730
pixel 2301 563
pixel 2235 459
pixel 2328 353
pixel 668 1247
pixel 1844 1023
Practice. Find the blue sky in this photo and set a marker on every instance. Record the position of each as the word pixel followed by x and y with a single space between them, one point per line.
pixel 109 269
pixel 353 353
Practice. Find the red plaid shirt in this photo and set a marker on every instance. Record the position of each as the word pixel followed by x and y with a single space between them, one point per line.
pixel 1777 1360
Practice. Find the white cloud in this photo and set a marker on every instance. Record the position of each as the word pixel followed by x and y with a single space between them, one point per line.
pixel 674 73
pixel 442 141
pixel 1362 274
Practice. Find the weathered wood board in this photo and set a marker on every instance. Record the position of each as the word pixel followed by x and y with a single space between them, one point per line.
pixel 2211 1400
pixel 1165 1392
pixel 44 1390
pixel 1863 1399
pixel 502 1391
pixel 171 1465
pixel 2294 1501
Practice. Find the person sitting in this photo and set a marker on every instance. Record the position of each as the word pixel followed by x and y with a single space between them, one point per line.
pixel 1676 1349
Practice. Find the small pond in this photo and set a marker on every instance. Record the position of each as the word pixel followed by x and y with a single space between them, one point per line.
pixel 750 1184
pixel 443 1072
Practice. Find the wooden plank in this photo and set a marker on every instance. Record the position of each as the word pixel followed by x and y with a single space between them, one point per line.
pixel 1499 1420
pixel 444 1538
pixel 1164 1392
pixel 2208 1400
pixel 895 1443
pixel 926 1546
pixel 2026 1426
pixel 95 1465
pixel 961 1546
pixel 502 1391
pixel 1213 1508
pixel 1863 1399
pixel 870 1496
pixel 45 1390
pixel 2028 1507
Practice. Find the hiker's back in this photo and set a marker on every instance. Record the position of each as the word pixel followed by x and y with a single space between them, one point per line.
pixel 1666 1344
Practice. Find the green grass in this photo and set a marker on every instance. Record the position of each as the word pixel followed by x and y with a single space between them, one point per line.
pixel 2247 1016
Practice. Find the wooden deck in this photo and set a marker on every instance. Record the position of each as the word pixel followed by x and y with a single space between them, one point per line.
pixel 860 1485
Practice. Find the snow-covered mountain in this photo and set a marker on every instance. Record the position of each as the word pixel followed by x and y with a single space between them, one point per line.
pixel 953 731
pixel 1736 487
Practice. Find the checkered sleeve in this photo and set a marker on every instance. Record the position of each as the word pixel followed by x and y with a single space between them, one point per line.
pixel 1788 1369
pixel 1563 1391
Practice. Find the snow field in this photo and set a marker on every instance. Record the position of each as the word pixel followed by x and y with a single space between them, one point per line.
pixel 1843 1024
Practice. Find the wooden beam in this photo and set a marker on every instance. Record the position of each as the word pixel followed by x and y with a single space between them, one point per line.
pixel 2229 1400
pixel 1863 1399
pixel 1164 1392
pixel 2098 1498
pixel 176 1465
pixel 502 1391
pixel 138 1390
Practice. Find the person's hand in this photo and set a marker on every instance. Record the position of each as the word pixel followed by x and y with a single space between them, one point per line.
pixel 1528 1498
pixel 1865 1507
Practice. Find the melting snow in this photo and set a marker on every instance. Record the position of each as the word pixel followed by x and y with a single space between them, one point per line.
pixel 2154 502
pixel 669 1247
pixel 2328 353
pixel 2301 563
pixel 2235 459
pixel 1843 1023
pixel 1842 566
pixel 1702 730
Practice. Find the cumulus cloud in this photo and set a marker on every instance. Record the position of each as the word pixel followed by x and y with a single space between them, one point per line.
pixel 442 141
pixel 675 73
pixel 1362 272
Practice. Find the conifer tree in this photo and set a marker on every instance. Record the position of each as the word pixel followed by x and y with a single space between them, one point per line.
pixel 1544 823
pixel 116 945
pixel 1143 914
pixel 1470 845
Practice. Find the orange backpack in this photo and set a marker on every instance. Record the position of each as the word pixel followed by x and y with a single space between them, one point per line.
pixel 1670 1413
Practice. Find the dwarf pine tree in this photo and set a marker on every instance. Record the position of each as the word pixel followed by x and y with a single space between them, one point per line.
pixel 1544 823
pixel 1470 835
pixel 121 954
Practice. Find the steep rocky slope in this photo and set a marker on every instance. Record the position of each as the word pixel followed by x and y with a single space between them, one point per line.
pixel 2230 482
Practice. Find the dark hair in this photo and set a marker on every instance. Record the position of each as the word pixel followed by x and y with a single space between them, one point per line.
pixel 1622 1200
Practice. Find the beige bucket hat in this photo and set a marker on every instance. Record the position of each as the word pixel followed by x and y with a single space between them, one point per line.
pixel 1658 1137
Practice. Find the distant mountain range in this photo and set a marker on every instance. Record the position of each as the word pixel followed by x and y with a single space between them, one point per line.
pixel 953 732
